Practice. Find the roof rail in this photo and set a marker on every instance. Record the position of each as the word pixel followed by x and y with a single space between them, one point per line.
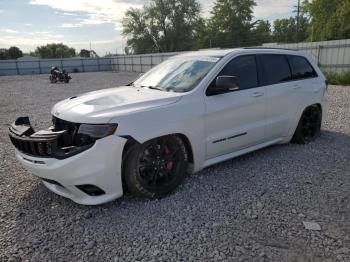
pixel 269 48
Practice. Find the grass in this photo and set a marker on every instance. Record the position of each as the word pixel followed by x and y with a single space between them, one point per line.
pixel 338 79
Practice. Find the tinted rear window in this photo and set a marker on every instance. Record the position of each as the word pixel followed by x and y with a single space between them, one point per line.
pixel 244 68
pixel 301 68
pixel 274 69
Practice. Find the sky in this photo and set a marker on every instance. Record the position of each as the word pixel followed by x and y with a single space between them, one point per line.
pixel 77 23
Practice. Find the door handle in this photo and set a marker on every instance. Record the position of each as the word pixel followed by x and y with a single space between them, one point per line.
pixel 257 94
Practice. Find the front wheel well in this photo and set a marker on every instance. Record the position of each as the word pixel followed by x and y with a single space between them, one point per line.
pixel 319 106
pixel 132 143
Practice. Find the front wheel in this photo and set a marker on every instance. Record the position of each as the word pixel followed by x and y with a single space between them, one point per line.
pixel 309 125
pixel 53 79
pixel 156 167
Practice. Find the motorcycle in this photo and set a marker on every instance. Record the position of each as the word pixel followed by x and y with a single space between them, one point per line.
pixel 57 75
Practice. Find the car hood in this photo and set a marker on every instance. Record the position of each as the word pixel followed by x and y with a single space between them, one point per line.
pixel 103 105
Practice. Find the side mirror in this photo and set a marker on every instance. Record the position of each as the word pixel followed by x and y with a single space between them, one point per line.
pixel 224 84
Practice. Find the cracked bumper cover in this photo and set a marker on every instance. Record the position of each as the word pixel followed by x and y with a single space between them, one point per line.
pixel 99 165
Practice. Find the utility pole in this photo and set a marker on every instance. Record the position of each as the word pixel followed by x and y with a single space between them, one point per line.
pixel 298 20
pixel 297 9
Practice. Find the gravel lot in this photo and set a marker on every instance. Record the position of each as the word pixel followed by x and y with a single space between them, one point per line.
pixel 251 208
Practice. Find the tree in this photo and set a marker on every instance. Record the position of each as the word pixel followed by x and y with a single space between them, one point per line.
pixel 4 54
pixel 262 31
pixel 330 19
pixel 14 52
pixel 230 23
pixel 54 51
pixel 84 53
pixel 286 29
pixel 163 26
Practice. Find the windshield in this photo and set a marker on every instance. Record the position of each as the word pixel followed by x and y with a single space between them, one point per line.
pixel 177 74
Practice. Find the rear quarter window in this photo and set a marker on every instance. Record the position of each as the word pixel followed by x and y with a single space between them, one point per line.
pixel 301 68
pixel 274 69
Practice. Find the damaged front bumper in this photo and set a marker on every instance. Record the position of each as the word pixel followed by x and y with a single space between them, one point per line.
pixel 44 143
pixel 88 175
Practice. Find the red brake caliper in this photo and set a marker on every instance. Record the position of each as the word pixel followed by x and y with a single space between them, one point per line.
pixel 169 164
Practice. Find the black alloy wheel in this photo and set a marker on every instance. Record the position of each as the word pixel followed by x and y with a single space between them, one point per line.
pixel 156 167
pixel 309 125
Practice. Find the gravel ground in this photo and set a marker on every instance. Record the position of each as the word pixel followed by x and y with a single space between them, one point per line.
pixel 251 208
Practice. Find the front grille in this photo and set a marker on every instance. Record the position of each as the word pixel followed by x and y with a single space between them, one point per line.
pixel 33 147
pixel 60 141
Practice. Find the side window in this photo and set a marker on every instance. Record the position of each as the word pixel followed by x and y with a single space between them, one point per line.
pixel 301 68
pixel 244 68
pixel 274 69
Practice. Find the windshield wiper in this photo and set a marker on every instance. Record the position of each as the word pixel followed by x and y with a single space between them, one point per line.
pixel 156 88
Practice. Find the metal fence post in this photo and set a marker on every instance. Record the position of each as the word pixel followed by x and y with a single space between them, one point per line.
pixel 61 63
pixel 151 61
pixel 17 68
pixel 141 64
pixel 98 64
pixel 82 65
pixel 319 48
pixel 132 64
pixel 39 66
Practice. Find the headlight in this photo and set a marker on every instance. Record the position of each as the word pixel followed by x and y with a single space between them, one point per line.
pixel 89 133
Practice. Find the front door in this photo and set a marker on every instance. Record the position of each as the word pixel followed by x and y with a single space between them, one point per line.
pixel 236 120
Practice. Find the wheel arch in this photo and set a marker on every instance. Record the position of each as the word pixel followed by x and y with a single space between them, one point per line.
pixel 132 142
pixel 298 117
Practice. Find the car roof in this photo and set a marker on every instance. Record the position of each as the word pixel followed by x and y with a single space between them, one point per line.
pixel 224 52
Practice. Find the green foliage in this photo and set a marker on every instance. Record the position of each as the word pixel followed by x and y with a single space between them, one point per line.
pixel 339 79
pixel 287 29
pixel 230 23
pixel 262 32
pixel 84 53
pixel 54 51
pixel 12 53
pixel 330 19
pixel 163 26
pixel 4 53
pixel 87 53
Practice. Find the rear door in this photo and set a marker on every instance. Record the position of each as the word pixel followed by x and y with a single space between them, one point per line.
pixel 304 77
pixel 282 94
pixel 236 120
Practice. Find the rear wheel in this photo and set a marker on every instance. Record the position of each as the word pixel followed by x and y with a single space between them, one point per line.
pixel 156 167
pixel 309 125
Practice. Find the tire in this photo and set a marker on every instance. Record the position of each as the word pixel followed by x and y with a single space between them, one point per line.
pixel 53 79
pixel 309 126
pixel 156 167
pixel 66 80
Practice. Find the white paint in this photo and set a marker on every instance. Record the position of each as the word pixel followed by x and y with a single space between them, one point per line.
pixel 144 114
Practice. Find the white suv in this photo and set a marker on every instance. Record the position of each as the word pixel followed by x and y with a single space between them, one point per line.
pixel 187 113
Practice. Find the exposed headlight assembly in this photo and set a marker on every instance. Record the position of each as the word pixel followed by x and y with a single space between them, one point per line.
pixel 89 133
